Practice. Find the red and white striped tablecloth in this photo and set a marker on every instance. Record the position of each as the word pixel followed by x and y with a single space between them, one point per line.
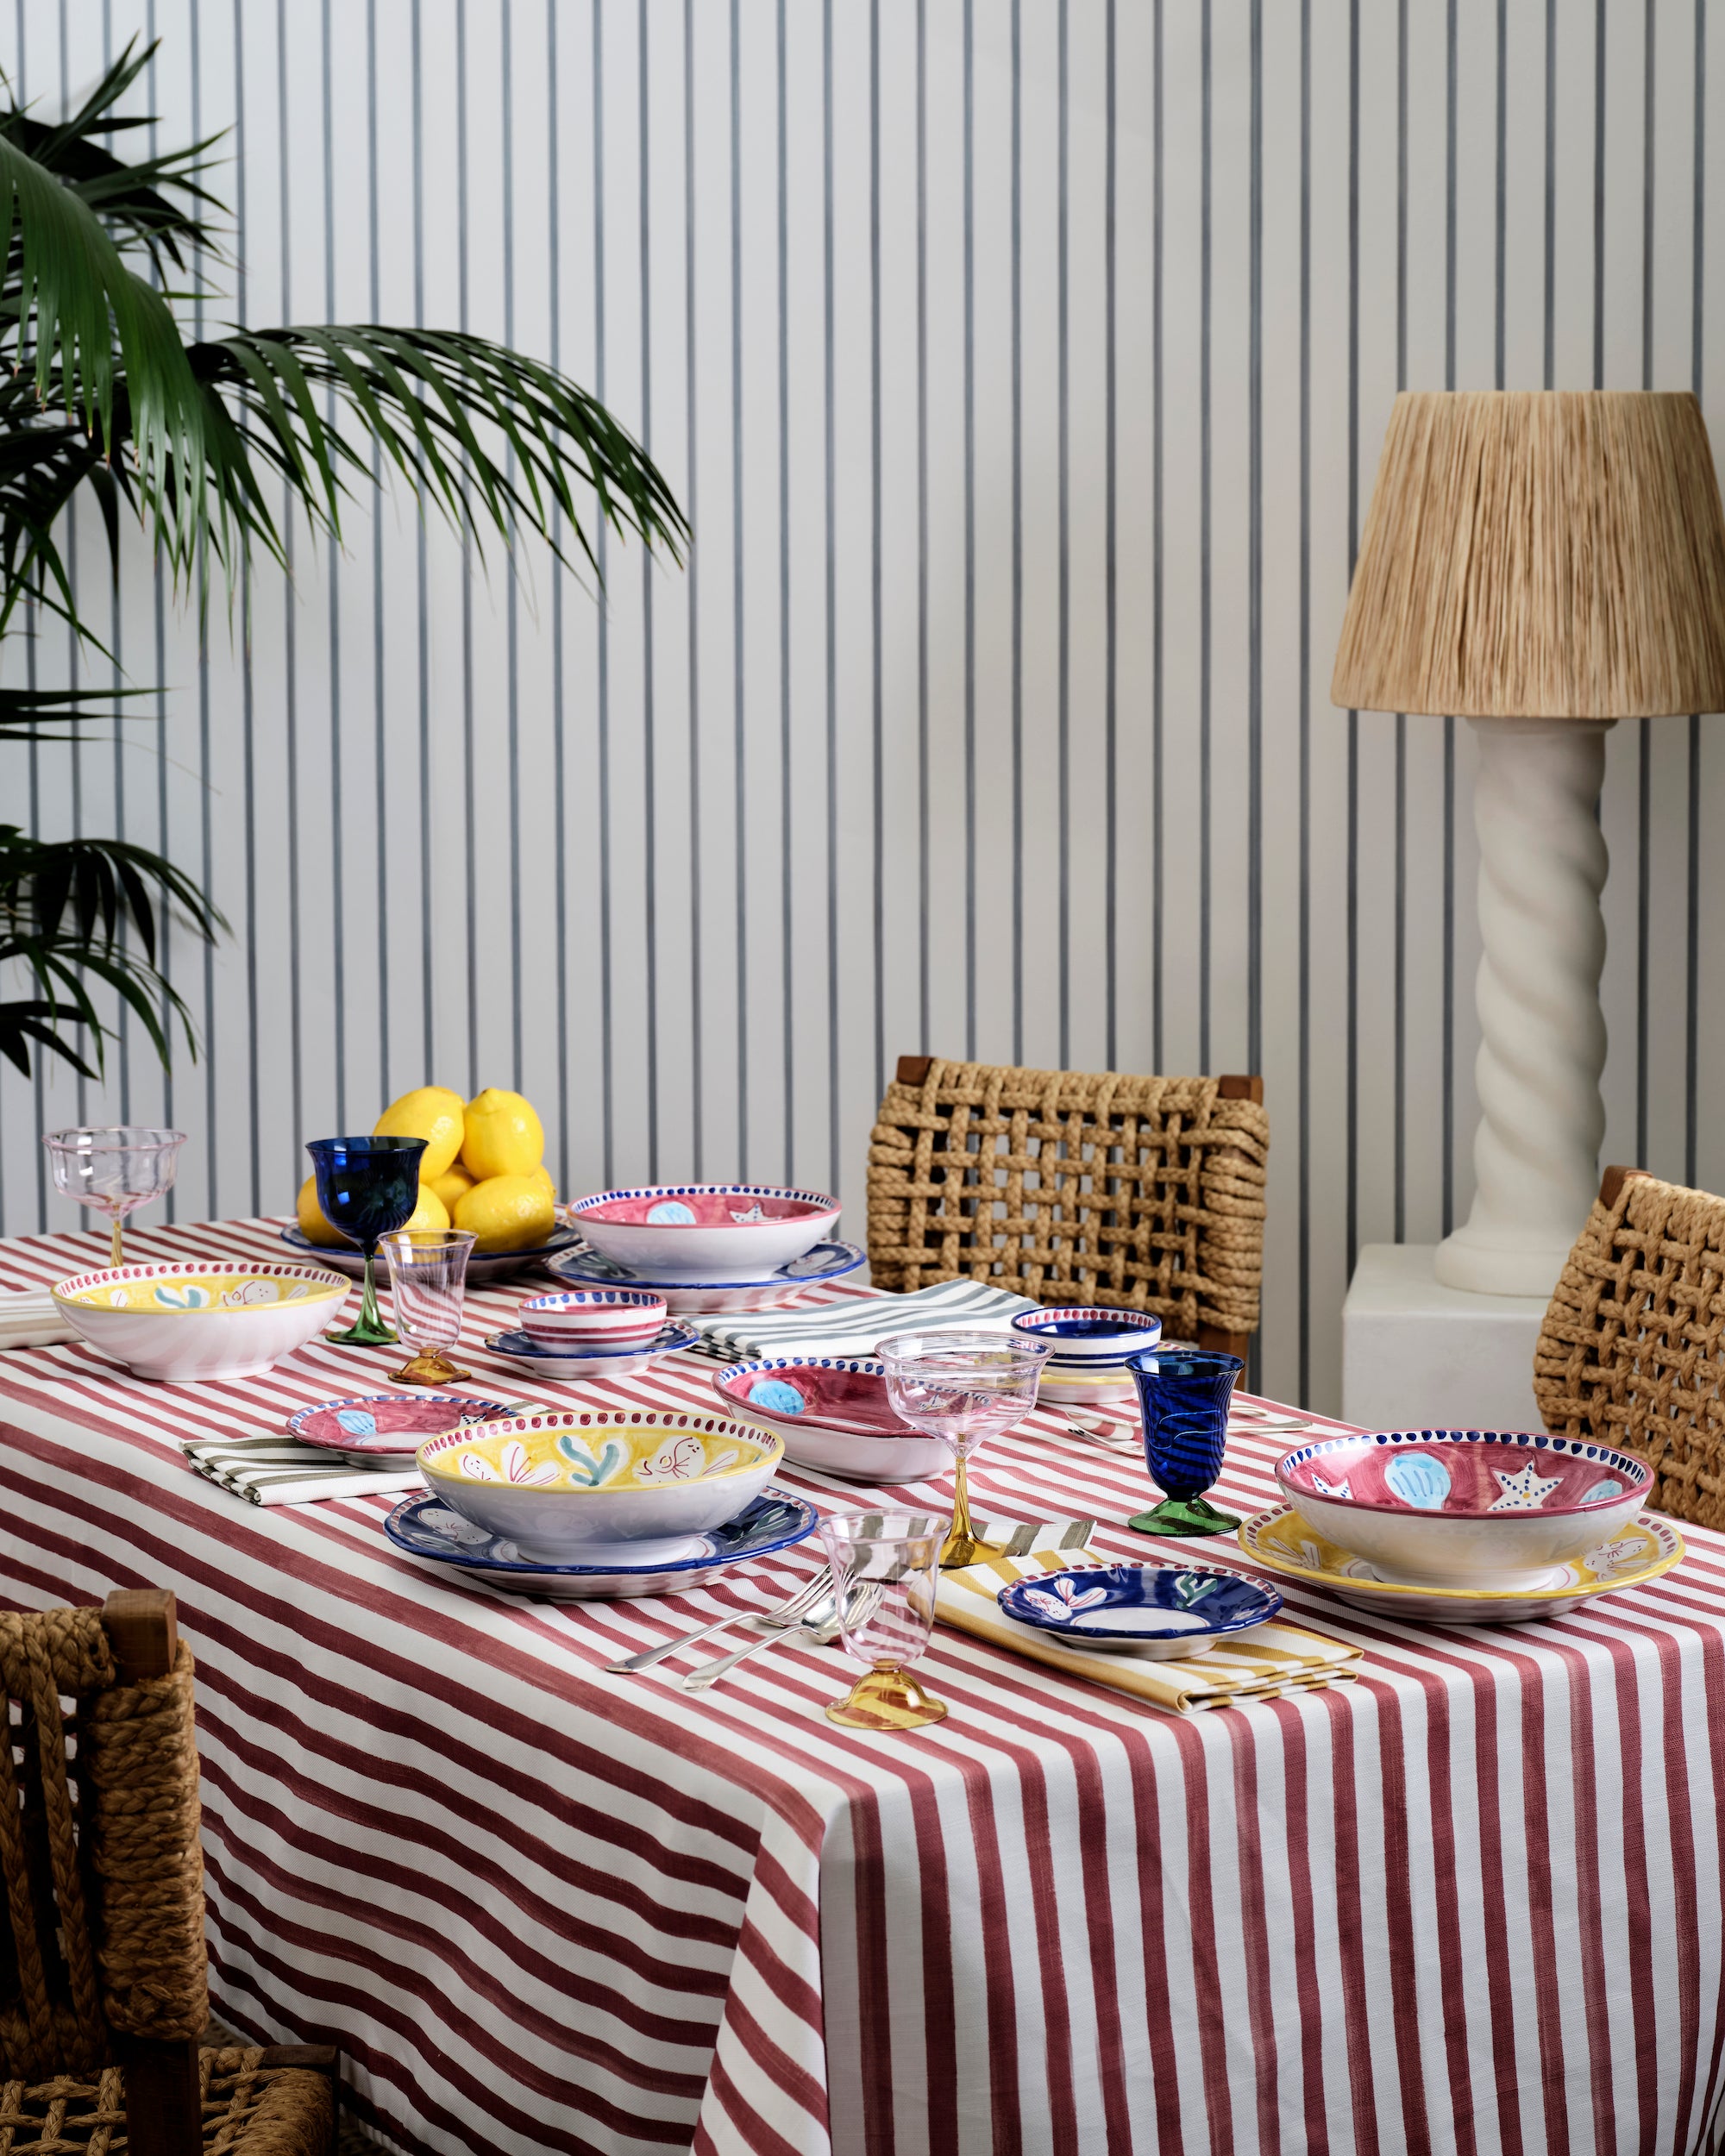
pixel 1471 1901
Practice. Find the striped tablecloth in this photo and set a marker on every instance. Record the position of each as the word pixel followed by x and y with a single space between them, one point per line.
pixel 1471 1901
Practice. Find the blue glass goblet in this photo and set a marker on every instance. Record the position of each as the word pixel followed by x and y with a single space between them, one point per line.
pixel 368 1187
pixel 1183 1395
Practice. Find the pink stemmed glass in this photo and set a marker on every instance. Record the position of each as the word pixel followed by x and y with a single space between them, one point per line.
pixel 962 1387
pixel 116 1170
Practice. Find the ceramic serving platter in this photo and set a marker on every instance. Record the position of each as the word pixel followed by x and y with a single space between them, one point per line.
pixel 583 1267
pixel 570 1364
pixel 483 1270
pixel 424 1528
pixel 386 1429
pixel 1164 1612
pixel 1282 1542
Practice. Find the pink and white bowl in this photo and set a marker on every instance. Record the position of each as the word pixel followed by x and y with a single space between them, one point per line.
pixel 593 1318
pixel 1478 1509
pixel 706 1231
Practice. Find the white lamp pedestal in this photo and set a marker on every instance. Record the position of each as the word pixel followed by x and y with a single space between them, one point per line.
pixel 1419 1356
pixel 1542 863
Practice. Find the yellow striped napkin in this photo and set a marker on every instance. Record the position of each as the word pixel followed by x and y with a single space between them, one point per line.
pixel 1261 1664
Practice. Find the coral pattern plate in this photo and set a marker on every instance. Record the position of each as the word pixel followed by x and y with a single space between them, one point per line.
pixel 424 1528
pixel 1453 1473
pixel 1282 1542
pixel 389 1426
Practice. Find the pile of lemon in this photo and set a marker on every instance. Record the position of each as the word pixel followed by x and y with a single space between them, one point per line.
pixel 482 1169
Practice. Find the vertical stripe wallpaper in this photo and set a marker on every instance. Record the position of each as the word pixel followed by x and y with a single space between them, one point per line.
pixel 1022 365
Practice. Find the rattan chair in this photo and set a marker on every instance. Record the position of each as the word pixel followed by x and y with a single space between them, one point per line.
pixel 102 1994
pixel 1631 1351
pixel 1136 1193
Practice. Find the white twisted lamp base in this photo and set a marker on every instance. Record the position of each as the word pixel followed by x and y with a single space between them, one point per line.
pixel 1542 864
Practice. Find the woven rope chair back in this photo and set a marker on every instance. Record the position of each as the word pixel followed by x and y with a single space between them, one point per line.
pixel 98 1850
pixel 1631 1351
pixel 1136 1193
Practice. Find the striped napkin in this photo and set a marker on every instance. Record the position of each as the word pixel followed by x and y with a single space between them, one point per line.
pixel 1262 1664
pixel 851 1326
pixel 283 1471
pixel 29 1319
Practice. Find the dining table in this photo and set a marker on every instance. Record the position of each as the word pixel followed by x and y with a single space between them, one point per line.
pixel 1468 1900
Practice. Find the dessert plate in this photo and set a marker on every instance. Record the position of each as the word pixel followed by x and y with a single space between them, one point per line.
pixel 1282 1542
pixel 423 1527
pixel 572 1363
pixel 1165 1612
pixel 386 1429
pixel 583 1267
pixel 483 1271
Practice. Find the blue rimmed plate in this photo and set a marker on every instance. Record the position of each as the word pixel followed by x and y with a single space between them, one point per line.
pixel 1165 1612
pixel 583 1268
pixel 424 1528
pixel 568 1364
pixel 483 1271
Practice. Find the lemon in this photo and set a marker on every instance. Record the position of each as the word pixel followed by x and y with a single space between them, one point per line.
pixel 429 1213
pixel 312 1225
pixel 504 1135
pixel 453 1183
pixel 432 1112
pixel 542 1174
pixel 506 1213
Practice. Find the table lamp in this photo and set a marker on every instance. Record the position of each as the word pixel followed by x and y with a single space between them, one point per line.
pixel 1541 564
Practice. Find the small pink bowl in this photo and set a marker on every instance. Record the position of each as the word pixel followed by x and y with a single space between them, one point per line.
pixel 605 1316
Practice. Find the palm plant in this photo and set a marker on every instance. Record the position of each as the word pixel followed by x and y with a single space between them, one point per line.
pixel 106 396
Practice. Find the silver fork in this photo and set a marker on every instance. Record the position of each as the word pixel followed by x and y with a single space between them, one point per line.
pixel 819 1626
pixel 788 1615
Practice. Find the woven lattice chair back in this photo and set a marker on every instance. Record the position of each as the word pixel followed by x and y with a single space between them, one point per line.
pixel 1631 1351
pixel 98 1850
pixel 1137 1194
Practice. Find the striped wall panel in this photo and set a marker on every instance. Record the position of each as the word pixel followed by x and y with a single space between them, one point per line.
pixel 1022 364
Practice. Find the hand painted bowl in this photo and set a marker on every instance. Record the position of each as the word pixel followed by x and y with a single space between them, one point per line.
pixel 1164 1612
pixel 705 1232
pixel 593 1317
pixel 1464 1508
pixel 386 1429
pixel 832 1414
pixel 592 1486
pixel 1089 1335
pixel 183 1320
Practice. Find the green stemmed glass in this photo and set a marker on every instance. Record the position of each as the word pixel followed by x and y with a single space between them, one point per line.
pixel 368 1187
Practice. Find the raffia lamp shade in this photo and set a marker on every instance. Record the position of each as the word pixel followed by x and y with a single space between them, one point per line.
pixel 1539 555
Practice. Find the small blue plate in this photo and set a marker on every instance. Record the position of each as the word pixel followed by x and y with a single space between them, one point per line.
pixel 581 1362
pixel 423 1527
pixel 1163 1611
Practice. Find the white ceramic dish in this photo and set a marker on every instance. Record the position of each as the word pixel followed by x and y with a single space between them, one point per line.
pixel 593 1317
pixel 585 1268
pixel 197 1318
pixel 598 1486
pixel 1497 1511
pixel 1084 1335
pixel 531 1358
pixel 714 1232
pixel 845 1426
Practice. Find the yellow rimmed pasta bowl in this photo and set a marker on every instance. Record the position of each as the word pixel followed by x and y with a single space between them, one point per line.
pixel 181 1321
pixel 596 1485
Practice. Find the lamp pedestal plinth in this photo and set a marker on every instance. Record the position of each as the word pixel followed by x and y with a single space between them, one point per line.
pixel 1542 864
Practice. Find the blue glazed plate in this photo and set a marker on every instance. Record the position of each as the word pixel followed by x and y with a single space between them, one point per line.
pixel 483 1271
pixel 519 1346
pixel 583 1267
pixel 422 1527
pixel 1163 1611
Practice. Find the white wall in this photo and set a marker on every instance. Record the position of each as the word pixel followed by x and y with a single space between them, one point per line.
pixel 1022 364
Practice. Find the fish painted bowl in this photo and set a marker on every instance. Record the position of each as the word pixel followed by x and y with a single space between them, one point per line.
pixel 577 1360
pixel 596 1486
pixel 832 1414
pixel 1503 1510
pixel 181 1321
pixel 386 1429
pixel 1078 1336
pixel 583 1267
pixel 1164 1612
pixel 593 1317
pixel 705 1232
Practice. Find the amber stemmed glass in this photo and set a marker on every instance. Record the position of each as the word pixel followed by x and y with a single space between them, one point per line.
pixel 884 1566
pixel 962 1387
pixel 427 1284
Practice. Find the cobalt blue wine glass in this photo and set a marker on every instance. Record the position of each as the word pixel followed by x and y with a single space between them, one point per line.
pixel 1183 1396
pixel 368 1187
